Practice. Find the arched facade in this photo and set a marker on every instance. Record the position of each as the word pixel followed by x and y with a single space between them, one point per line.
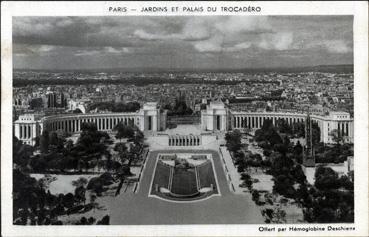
pixel 28 126
pixel 217 117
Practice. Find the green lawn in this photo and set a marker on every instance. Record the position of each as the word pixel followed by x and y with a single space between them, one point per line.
pixel 161 175
pixel 184 182
pixel 206 176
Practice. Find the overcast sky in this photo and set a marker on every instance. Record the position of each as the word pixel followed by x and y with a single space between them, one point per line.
pixel 198 42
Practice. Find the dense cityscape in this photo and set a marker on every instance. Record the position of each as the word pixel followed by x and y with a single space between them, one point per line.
pixel 280 92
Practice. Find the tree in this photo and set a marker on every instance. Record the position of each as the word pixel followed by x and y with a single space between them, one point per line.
pixel 283 126
pixel 44 141
pixel 297 149
pixel 337 137
pixel 281 148
pixel 104 221
pixel 268 133
pixel 80 182
pixel 38 164
pixel 276 215
pixel 36 103
pixel 134 153
pixel 121 148
pixel 21 153
pixel 53 139
pixel 303 196
pixel 30 200
pixel 93 201
pixel 284 185
pixel 279 216
pixel 77 111
pixel 315 133
pixel 255 196
pixel 138 136
pixel 233 140
pixel 90 146
pixel 68 200
pixel 123 131
pixel 326 178
pixel 80 194
pixel 298 174
pixel 346 183
pixel 69 145
pixel 280 164
pixel 299 129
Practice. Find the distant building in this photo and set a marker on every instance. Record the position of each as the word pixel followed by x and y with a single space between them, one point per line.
pixel 55 101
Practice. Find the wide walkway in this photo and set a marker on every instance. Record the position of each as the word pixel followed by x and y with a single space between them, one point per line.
pixel 138 208
pixel 232 171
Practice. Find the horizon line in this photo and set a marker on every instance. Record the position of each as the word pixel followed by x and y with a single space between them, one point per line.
pixel 162 69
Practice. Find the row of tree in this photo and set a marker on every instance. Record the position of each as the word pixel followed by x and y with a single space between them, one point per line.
pixel 116 107
pixel 330 199
pixel 91 150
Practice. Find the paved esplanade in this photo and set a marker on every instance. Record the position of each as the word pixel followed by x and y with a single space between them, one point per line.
pixel 138 208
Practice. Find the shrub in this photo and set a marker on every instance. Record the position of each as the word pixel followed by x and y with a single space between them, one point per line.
pixel 106 178
pixel 255 196
pixel 267 152
pixel 104 221
pixel 96 184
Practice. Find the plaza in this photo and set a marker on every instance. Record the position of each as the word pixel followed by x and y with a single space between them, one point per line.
pixel 140 209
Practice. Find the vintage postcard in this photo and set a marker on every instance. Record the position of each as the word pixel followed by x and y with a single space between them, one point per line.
pixel 184 118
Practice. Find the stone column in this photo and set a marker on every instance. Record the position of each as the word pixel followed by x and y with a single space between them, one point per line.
pixel 17 130
pixel 224 123
pixel 154 123
pixel 34 132
pixel 31 133
pixel 21 131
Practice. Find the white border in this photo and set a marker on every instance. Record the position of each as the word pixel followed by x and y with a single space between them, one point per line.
pixel 358 9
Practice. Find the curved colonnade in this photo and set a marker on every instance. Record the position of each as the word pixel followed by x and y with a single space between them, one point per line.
pixel 215 118
pixel 339 121
pixel 104 122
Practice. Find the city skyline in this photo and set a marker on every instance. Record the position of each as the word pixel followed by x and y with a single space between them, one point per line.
pixel 172 43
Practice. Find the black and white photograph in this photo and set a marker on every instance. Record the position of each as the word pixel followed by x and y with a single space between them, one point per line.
pixel 188 119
